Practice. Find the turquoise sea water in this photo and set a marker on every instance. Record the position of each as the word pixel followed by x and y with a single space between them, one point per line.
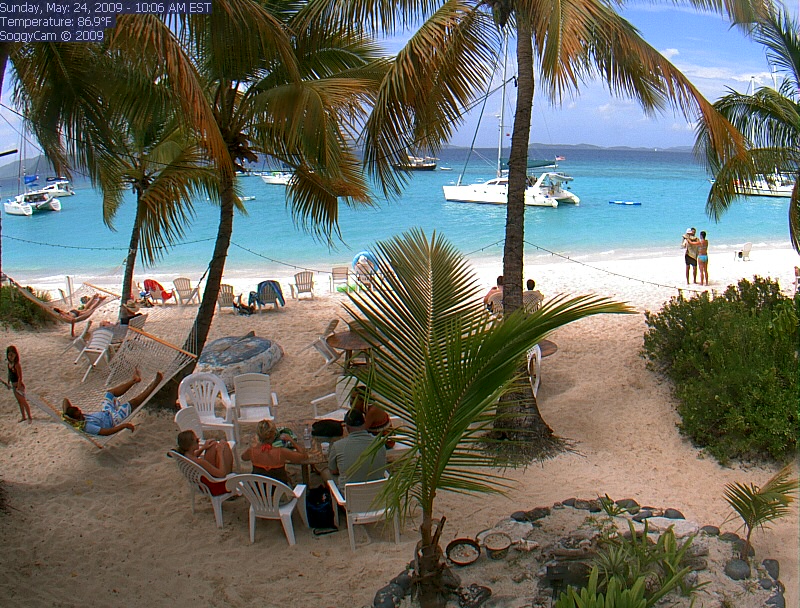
pixel 671 187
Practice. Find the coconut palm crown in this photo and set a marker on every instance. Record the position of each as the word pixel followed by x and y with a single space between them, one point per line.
pixel 440 363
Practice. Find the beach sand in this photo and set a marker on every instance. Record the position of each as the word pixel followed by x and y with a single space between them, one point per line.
pixel 114 527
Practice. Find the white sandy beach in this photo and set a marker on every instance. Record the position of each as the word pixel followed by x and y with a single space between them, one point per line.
pixel 113 527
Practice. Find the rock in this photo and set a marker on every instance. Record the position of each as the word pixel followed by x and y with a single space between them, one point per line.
pixel 473 596
pixel 402 580
pixel 766 583
pixel 729 537
pixel 582 504
pixel 681 527
pixel 234 355
pixel 537 513
pixel 673 514
pixel 628 504
pixel 777 600
pixel 570 502
pixel 710 530
pixel 696 563
pixel 642 515
pixel 697 549
pixel 519 516
pixel 690 578
pixel 737 569
pixel 595 506
pixel 738 546
pixel 772 567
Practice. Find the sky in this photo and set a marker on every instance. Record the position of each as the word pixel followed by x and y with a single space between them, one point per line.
pixel 713 56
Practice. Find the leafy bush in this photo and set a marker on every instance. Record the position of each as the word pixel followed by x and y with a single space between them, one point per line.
pixel 17 311
pixel 733 361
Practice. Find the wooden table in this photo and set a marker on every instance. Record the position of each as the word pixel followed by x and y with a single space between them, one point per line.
pixel 548 348
pixel 350 342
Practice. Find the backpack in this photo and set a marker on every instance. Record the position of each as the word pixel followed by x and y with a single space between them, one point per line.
pixel 319 508
pixel 327 428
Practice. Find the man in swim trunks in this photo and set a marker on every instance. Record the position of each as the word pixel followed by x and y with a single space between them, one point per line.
pixel 111 418
pixel 691 243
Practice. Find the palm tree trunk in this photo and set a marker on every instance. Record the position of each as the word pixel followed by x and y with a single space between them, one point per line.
pixel 430 569
pixel 205 314
pixel 518 420
pixel 130 262
pixel 517 171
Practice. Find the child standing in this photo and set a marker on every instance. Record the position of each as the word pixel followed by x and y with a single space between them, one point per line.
pixel 16 384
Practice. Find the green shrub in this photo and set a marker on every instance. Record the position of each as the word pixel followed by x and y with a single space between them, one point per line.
pixel 733 361
pixel 18 312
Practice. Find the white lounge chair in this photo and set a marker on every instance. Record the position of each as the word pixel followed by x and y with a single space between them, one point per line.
pixel 303 283
pixel 744 253
pixel 322 347
pixel 98 349
pixel 344 386
pixel 264 495
pixel 359 501
pixel 79 343
pixel 194 475
pixel 202 390
pixel 185 292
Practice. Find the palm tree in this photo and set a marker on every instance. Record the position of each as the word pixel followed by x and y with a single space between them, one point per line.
pixel 440 364
pixel 768 118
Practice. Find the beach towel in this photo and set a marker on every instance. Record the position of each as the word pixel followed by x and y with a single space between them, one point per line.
pixel 276 286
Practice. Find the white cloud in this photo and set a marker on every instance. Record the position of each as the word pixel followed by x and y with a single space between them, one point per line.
pixel 670 53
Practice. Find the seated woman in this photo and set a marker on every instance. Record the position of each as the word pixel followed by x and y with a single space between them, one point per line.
pixel 87 305
pixel 111 417
pixel 214 456
pixel 270 460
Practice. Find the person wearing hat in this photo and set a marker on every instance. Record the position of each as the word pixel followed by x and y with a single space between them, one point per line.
pixel 346 452
pixel 129 310
pixel 692 245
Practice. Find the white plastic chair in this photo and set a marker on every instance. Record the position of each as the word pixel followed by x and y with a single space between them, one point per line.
pixel 98 349
pixel 535 367
pixel 340 275
pixel 344 386
pixel 322 347
pixel 188 419
pixel 359 501
pixel 185 292
pixel 744 254
pixel 303 283
pixel 79 343
pixel 252 398
pixel 202 391
pixel 264 495
pixel 194 474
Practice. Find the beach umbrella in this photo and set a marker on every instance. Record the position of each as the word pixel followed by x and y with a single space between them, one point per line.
pixel 368 255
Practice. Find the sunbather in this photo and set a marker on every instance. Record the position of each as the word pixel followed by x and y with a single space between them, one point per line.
pixel 214 456
pixel 87 306
pixel 111 418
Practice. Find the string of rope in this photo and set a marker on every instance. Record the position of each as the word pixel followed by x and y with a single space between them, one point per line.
pixel 274 261
pixel 84 248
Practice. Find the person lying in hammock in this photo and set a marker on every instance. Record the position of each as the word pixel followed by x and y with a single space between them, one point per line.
pixel 86 307
pixel 111 418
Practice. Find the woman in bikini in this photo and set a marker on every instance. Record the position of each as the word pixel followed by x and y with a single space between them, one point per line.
pixel 214 456
pixel 702 258
pixel 269 460
pixel 16 384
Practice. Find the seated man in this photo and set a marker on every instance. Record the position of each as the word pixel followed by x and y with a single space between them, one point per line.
pixel 531 297
pixel 343 454
pixel 496 289
pixel 111 418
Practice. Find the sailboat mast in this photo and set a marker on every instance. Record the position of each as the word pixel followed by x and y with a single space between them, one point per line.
pixel 502 110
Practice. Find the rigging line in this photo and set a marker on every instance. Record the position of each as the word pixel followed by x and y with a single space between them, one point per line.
pixel 295 266
pixel 611 272
pixel 13 238
pixel 469 253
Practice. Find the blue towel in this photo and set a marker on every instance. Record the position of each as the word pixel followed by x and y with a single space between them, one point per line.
pixel 277 287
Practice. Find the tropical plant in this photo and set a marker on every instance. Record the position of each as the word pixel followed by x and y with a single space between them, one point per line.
pixel 769 119
pixel 617 594
pixel 758 506
pixel 440 364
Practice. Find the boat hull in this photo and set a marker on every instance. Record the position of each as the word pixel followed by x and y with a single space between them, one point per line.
pixel 277 178
pixel 14 208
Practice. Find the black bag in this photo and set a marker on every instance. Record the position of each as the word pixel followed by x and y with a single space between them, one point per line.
pixel 319 508
pixel 327 428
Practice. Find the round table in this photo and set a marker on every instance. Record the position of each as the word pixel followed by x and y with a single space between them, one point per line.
pixel 548 347
pixel 349 342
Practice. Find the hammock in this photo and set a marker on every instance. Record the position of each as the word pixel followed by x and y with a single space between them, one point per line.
pixel 139 349
pixel 59 309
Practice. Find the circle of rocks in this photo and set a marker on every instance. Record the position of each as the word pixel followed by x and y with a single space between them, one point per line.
pixel 473 596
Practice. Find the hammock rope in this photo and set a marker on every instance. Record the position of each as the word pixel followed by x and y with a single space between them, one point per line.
pixel 149 353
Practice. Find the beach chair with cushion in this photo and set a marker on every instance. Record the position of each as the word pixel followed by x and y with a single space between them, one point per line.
pixel 188 419
pixel 203 390
pixel 194 475
pixel 252 399
pixel 264 495
pixel 744 253
pixel 360 501
pixel 225 297
pixel 98 349
pixel 185 292
pixel 303 283
pixel 340 275
pixel 157 291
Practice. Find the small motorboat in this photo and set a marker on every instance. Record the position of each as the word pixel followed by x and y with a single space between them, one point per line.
pixel 277 178
pixel 58 186
pixel 248 198
pixel 416 163
pixel 634 203
pixel 12 207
